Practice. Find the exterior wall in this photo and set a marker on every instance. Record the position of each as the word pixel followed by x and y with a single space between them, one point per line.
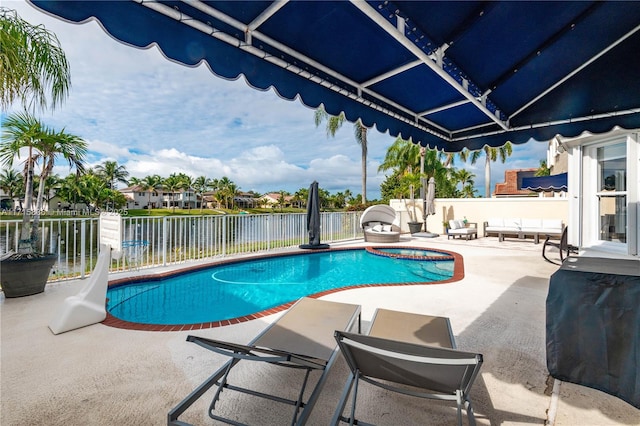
pixel 513 182
pixel 583 209
pixel 180 199
pixel 139 199
pixel 557 157
pixel 479 210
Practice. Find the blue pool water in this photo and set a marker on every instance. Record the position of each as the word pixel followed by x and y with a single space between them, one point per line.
pixel 241 288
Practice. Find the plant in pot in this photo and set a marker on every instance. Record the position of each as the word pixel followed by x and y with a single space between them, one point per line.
pixel 26 271
pixel 409 181
pixel 33 61
pixel 445 227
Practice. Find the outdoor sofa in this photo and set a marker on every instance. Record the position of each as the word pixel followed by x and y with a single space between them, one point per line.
pixel 523 228
pixel 462 228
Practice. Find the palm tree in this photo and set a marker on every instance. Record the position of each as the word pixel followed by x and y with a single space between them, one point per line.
pixel 464 178
pixel 360 133
pixel 491 154
pixel 72 148
pixel 31 63
pixel 112 173
pixel 402 156
pixel 201 184
pixel 187 184
pixel 173 184
pixel 339 200
pixel 348 196
pixel 282 199
pixel 300 197
pixel 449 157
pixel 543 170
pixel 469 191
pixel 134 181
pixel 11 183
pixel 232 190
pixel 149 184
pixel 22 130
pixel 72 190
pixel 222 186
pixel 94 189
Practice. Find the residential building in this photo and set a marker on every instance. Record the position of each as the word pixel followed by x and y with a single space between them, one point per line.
pixel 512 185
pixel 140 198
pixel 183 198
pixel 272 200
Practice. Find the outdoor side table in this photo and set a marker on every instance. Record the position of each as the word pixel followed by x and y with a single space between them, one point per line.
pixel 593 325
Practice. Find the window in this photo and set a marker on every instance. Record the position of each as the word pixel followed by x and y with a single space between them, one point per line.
pixel 612 192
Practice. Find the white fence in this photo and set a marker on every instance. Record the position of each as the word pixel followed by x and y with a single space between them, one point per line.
pixel 160 241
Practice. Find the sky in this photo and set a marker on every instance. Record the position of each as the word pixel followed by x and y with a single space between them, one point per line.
pixel 154 116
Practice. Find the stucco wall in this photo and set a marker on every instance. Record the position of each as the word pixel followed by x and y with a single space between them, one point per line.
pixel 481 209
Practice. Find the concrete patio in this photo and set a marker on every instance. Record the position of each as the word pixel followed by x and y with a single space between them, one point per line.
pixel 100 375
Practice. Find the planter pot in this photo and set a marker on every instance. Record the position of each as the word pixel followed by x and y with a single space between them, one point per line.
pixel 24 277
pixel 415 227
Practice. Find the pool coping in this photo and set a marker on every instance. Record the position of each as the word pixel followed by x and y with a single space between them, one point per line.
pixel 111 321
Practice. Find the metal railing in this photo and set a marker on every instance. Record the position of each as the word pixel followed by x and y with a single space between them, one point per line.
pixel 160 241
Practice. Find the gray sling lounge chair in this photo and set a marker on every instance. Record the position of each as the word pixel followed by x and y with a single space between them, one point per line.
pixel 302 338
pixel 420 361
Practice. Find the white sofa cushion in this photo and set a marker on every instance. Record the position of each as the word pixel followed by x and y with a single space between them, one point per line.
pixel 531 224
pixel 495 222
pixel 527 226
pixel 513 223
pixel 463 231
pixel 552 226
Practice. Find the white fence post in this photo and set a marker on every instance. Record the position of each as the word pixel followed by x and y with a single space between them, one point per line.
pixel 83 246
pixel 165 237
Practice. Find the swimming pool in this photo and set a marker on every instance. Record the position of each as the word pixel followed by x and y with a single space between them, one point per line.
pixel 237 289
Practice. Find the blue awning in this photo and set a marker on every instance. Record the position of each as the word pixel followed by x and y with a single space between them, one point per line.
pixel 449 75
pixel 546 183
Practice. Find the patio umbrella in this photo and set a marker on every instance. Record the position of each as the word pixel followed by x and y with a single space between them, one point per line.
pixel 429 203
pixel 313 219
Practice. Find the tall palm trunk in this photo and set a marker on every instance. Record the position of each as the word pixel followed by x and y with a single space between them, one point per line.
pixel 35 225
pixel 487 176
pixel 24 245
pixel 363 144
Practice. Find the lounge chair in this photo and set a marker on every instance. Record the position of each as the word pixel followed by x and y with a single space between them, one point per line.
pixel 410 354
pixel 302 338
pixel 379 224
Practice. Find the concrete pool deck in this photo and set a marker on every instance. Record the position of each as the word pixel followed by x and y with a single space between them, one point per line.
pixel 101 375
